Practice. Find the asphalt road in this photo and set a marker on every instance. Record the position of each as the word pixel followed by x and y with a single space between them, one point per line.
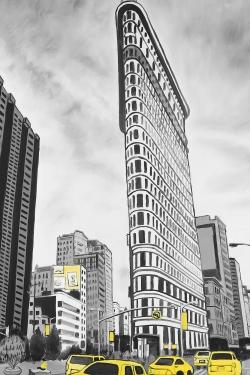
pixel 58 368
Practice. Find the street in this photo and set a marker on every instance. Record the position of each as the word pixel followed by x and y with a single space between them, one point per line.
pixel 245 367
pixel 58 368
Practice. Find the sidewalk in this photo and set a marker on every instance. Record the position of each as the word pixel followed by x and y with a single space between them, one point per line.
pixel 56 367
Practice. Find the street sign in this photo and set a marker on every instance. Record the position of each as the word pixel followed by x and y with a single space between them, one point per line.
pixel 156 314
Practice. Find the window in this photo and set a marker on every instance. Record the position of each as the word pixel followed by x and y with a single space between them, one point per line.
pixel 138 183
pixel 141 236
pixel 179 362
pixel 165 361
pixel 140 218
pixel 136 134
pixel 136 149
pixel 128 370
pixel 134 105
pixel 132 79
pixel 138 164
pixel 98 368
pixel 133 91
pixel 135 119
pixel 224 356
pixel 139 200
pixel 139 370
pixel 143 259
pixel 77 360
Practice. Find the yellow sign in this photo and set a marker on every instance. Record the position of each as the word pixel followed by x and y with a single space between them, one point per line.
pixel 111 336
pixel 184 320
pixel 156 314
pixel 173 346
pixel 67 277
pixel 47 329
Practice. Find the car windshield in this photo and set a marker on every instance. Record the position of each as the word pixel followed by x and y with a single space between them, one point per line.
pixel 165 361
pixel 77 360
pixel 217 356
pixel 100 368
pixel 202 353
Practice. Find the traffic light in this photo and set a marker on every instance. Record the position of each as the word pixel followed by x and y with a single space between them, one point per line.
pixel 184 320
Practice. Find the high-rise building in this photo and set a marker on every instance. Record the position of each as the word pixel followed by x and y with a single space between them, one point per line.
pixel 69 245
pixel 238 300
pixel 97 259
pixel 165 268
pixel 247 306
pixel 216 270
pixel 65 283
pixel 19 154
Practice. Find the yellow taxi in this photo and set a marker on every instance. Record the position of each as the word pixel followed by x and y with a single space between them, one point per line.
pixel 170 365
pixel 77 362
pixel 114 367
pixel 223 363
pixel 201 358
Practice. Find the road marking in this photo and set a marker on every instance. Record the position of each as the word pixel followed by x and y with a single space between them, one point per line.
pixel 200 372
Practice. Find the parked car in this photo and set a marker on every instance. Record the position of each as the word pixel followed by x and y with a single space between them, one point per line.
pixel 114 367
pixel 170 365
pixel 223 363
pixel 77 362
pixel 201 358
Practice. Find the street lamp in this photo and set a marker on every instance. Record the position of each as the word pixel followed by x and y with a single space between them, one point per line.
pixel 235 244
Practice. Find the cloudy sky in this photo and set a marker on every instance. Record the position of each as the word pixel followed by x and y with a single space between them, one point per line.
pixel 59 59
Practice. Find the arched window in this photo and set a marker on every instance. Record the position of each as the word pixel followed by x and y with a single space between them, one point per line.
pixel 134 105
pixel 133 91
pixel 132 66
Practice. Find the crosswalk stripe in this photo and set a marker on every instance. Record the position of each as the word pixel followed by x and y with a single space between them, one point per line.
pixel 200 372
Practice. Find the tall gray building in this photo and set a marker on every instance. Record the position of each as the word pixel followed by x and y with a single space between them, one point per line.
pixel 96 257
pixel 238 299
pixel 217 280
pixel 165 267
pixel 19 154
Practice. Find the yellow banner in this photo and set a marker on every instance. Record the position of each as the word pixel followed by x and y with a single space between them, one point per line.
pixel 184 320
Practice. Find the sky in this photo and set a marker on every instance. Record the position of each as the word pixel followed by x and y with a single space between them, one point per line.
pixel 59 59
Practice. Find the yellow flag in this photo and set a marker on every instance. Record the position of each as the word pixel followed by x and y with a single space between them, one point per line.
pixel 47 329
pixel 111 336
pixel 184 321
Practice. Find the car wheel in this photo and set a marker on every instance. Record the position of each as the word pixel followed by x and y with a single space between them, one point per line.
pixel 180 373
pixel 190 372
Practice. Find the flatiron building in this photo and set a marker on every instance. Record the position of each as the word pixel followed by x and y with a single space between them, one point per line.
pixel 165 265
